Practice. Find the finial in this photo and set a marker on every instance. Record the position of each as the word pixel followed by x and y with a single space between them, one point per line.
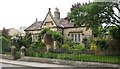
pixel 36 20
pixel 49 9
pixel 56 9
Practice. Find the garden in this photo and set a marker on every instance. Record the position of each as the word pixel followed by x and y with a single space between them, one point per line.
pixel 103 46
pixel 99 52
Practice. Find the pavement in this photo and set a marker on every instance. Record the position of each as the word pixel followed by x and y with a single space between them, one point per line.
pixel 36 65
pixel 30 64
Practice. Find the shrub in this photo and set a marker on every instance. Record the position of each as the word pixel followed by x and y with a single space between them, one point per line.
pixel 102 43
pixel 67 40
pixel 78 47
pixel 37 46
pixel 17 54
pixel 5 44
pixel 65 46
pixel 30 52
pixel 93 47
pixel 86 42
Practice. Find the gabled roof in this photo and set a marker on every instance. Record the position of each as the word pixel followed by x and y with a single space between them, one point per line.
pixel 64 23
pixel 60 23
pixel 49 13
pixel 35 26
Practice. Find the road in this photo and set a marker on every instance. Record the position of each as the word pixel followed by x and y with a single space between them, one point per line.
pixel 9 65
pixel 14 64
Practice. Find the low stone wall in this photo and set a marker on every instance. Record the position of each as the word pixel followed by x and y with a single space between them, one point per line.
pixel 66 62
pixel 4 56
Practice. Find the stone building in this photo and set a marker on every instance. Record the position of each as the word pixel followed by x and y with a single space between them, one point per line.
pixel 12 32
pixel 57 24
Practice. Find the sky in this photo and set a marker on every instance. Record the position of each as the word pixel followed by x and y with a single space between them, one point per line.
pixel 17 13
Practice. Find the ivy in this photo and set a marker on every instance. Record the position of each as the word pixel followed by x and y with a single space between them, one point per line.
pixel 57 36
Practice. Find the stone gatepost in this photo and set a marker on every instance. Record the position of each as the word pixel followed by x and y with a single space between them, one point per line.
pixel 13 52
pixel 22 51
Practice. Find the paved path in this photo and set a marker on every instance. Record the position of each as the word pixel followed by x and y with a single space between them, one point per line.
pixel 30 64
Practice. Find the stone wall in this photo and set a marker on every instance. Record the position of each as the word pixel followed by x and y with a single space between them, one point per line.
pixel 6 56
pixel 81 29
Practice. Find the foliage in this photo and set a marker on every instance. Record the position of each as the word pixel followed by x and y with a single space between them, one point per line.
pixel 114 46
pixel 28 38
pixel 102 43
pixel 25 41
pixel 78 47
pixel 5 33
pixel 94 14
pixel 67 40
pixel 30 52
pixel 65 46
pixel 114 32
pixel 37 46
pixel 86 41
pixel 58 44
pixel 93 47
pixel 54 34
pixel 75 57
pixel 5 44
pixel 21 42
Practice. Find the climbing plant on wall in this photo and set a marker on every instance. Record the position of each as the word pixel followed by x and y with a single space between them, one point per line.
pixel 57 36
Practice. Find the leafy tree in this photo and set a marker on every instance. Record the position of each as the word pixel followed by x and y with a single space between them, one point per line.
pixel 5 41
pixel 114 32
pixel 93 15
pixel 25 41
pixel 5 33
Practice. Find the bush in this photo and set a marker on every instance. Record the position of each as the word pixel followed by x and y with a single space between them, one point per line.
pixel 78 47
pixel 86 42
pixel 65 46
pixel 37 46
pixel 102 43
pixel 5 44
pixel 17 54
pixel 30 52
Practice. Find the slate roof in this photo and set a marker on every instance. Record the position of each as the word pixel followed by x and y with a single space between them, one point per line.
pixel 60 23
pixel 64 23
pixel 35 26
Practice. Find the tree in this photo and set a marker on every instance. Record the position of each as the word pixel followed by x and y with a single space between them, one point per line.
pixel 94 15
pixel 28 39
pixel 5 33
pixel 114 32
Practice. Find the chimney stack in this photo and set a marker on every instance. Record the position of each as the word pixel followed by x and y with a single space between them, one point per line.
pixel 56 14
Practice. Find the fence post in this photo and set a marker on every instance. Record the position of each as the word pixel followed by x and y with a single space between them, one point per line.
pixel 13 52
pixel 22 51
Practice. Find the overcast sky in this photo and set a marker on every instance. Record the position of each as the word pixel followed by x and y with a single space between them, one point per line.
pixel 17 13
